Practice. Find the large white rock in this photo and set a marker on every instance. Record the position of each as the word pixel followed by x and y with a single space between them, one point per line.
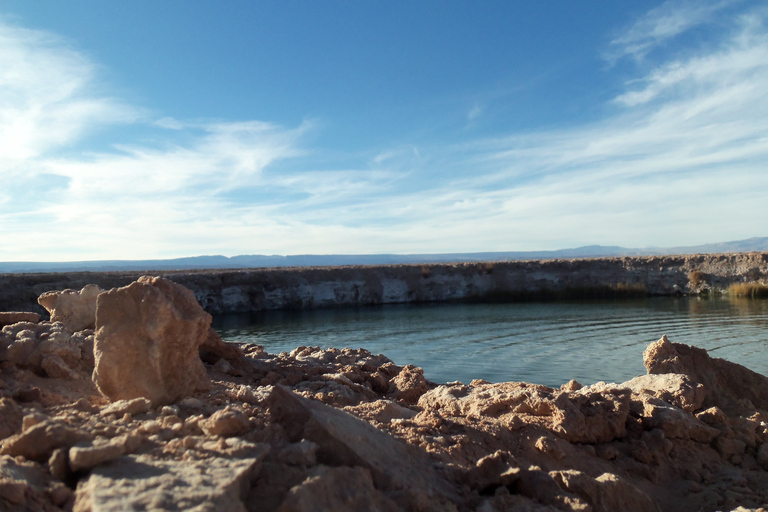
pixel 147 339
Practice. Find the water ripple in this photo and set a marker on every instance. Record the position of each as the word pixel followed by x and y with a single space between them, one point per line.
pixel 547 343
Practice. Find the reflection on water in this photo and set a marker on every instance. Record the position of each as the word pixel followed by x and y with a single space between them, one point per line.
pixel 546 343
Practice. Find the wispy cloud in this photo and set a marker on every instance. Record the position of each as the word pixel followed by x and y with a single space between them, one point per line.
pixel 48 95
pixel 681 159
pixel 661 24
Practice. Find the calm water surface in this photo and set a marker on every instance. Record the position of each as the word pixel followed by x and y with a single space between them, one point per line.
pixel 545 343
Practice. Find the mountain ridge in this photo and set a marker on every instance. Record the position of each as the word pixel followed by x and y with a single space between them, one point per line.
pixel 755 244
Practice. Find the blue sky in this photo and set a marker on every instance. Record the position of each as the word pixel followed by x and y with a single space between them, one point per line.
pixel 145 129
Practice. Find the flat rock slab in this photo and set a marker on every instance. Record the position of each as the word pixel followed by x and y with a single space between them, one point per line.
pixel 14 317
pixel 216 484
pixel 344 440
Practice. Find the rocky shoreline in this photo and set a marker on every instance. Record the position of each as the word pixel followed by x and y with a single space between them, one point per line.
pixel 242 291
pixel 127 400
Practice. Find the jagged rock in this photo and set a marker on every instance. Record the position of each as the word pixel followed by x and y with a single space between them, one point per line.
pixel 606 493
pixel 75 309
pixel 14 317
pixel 344 440
pixel 676 389
pixel 39 441
pixel 226 422
pixel 342 489
pixel 583 416
pixel 10 418
pixel 726 383
pixel 500 469
pixel 216 484
pixel 147 340
pixel 409 384
pixel 120 407
pixel 674 422
pixel 47 349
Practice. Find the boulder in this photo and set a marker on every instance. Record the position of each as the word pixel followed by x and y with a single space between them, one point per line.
pixel 75 309
pixel 727 384
pixel 147 339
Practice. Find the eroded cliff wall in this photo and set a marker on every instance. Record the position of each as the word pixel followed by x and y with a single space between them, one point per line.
pixel 230 291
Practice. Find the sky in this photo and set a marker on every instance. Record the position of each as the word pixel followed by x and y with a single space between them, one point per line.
pixel 144 129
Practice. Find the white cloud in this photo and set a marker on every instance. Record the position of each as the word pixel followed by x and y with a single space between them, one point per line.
pixel 681 161
pixel 47 95
pixel 661 24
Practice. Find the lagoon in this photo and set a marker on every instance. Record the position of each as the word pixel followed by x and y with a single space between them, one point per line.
pixel 542 342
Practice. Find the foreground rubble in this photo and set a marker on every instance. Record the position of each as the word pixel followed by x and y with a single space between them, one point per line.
pixel 194 423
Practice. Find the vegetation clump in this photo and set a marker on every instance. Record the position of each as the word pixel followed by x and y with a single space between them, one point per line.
pixel 749 290
pixel 696 277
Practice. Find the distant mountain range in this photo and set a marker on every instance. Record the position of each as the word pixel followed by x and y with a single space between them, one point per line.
pixel 311 260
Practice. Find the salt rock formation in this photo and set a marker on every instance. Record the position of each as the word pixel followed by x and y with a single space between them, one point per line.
pixel 147 339
pixel 75 309
pixel 727 384
pixel 13 317
pixel 47 348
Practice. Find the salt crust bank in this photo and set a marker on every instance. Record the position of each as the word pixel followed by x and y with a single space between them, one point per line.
pixel 238 291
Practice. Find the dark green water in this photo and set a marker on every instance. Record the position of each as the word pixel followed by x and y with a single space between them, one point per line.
pixel 546 343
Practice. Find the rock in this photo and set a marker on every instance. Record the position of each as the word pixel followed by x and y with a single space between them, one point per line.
pixel 226 422
pixel 500 469
pixel 14 317
pixel 147 340
pixel 550 447
pixel 728 448
pixel 58 464
pixel 540 486
pixel 606 493
pixel 303 453
pixel 214 348
pixel 726 383
pixel 10 418
pixel 674 388
pixel 409 384
pixel 56 368
pixel 674 422
pixel 216 484
pixel 583 416
pixel 24 486
pixel 342 489
pixel 86 457
pixel 344 440
pixel 40 440
pixel 121 407
pixel 76 310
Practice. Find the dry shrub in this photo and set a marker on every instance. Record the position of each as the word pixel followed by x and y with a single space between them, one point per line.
pixel 696 277
pixel 749 290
